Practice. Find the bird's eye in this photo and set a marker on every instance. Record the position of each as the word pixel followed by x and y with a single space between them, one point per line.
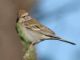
pixel 23 16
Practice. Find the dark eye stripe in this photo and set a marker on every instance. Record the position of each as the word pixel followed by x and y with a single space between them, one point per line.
pixel 23 16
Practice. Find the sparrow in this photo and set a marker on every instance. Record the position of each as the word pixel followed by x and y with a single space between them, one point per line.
pixel 33 32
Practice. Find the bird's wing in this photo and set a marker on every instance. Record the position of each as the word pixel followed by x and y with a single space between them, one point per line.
pixel 38 27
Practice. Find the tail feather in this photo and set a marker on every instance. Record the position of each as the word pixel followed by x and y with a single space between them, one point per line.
pixel 56 38
pixel 68 42
pixel 60 39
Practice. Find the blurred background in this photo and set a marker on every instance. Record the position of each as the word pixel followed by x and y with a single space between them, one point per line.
pixel 63 17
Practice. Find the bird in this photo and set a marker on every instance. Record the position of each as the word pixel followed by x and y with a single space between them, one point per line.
pixel 33 32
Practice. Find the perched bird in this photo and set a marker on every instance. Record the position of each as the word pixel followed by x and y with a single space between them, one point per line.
pixel 33 32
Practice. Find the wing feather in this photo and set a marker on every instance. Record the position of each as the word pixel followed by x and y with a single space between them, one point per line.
pixel 38 27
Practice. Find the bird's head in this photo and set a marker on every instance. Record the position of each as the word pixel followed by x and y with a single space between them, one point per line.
pixel 24 16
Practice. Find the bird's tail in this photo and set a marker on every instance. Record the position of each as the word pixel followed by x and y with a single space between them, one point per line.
pixel 68 42
pixel 60 39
